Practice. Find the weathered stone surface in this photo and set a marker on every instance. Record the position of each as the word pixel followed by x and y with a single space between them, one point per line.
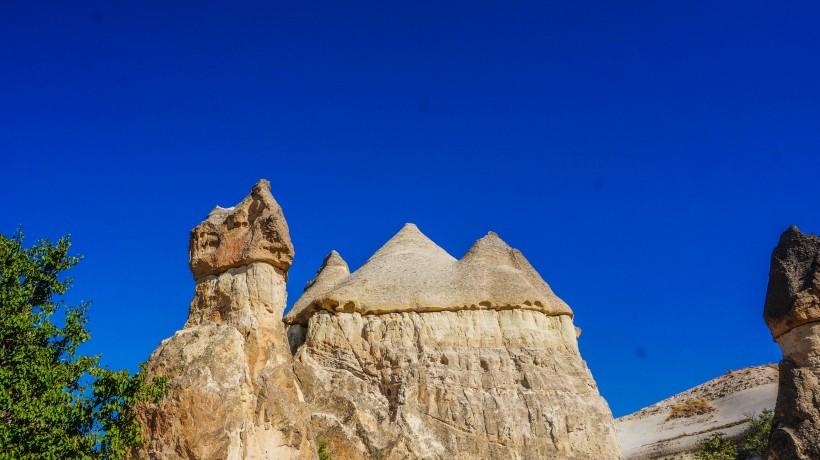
pixel 796 424
pixel 252 231
pixel 416 355
pixel 792 312
pixel 232 392
pixel 430 357
pixel 651 434
pixel 334 270
pixel 412 273
pixel 463 384
pixel 793 296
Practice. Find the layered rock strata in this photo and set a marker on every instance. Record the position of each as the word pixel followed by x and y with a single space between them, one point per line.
pixel 652 433
pixel 792 312
pixel 232 392
pixel 420 355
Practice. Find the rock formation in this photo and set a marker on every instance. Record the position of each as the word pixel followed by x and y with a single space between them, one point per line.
pixel 792 312
pixel 653 434
pixel 232 392
pixel 420 355
pixel 416 355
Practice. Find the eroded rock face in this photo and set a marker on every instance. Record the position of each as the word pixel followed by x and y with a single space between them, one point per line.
pixel 420 355
pixel 232 392
pixel 792 312
pixel 416 355
pixel 252 231
pixel 464 384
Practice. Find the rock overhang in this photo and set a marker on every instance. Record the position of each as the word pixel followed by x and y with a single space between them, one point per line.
pixel 793 294
pixel 254 230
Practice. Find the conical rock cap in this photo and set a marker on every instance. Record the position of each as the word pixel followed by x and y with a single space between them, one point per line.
pixel 499 276
pixel 411 273
pixel 403 274
pixel 333 271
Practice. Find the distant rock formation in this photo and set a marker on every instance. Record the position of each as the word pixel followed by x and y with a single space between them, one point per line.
pixel 792 312
pixel 232 391
pixel 652 434
pixel 420 355
pixel 416 355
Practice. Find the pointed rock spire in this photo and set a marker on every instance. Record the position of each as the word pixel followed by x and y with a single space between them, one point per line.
pixel 491 253
pixel 252 231
pixel 402 274
pixel 333 271
pixel 411 273
pixel 490 250
pixel 410 240
pixel 494 274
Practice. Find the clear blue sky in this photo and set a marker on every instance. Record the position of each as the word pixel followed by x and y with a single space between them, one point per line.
pixel 644 156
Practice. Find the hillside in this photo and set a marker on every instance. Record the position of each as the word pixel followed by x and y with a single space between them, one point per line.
pixel 651 433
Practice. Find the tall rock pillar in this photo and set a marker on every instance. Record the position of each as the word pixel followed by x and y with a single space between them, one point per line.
pixel 232 392
pixel 792 312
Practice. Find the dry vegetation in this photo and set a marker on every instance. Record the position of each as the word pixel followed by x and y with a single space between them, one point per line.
pixel 692 407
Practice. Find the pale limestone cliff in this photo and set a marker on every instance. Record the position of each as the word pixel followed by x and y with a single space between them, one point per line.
pixel 232 392
pixel 792 312
pixel 420 355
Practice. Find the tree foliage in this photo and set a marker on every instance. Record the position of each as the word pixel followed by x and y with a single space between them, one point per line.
pixel 55 402
pixel 717 447
pixel 756 437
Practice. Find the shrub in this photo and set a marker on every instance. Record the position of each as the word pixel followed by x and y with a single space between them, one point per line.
pixel 756 437
pixel 717 447
pixel 324 450
pixel 690 408
pixel 754 443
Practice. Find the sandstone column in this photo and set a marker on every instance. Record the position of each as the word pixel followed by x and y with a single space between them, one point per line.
pixel 792 312
pixel 232 391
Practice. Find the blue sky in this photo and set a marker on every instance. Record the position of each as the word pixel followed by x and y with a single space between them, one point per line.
pixel 644 156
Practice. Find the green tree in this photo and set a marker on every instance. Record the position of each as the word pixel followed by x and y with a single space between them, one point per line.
pixel 717 447
pixel 756 437
pixel 54 402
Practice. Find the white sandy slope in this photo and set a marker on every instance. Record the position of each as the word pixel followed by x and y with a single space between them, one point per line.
pixel 736 396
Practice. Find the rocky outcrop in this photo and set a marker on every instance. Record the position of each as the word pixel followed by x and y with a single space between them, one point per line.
pixel 410 273
pixel 652 433
pixel 792 312
pixel 232 392
pixel 420 355
pixel 255 230
pixel 415 355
